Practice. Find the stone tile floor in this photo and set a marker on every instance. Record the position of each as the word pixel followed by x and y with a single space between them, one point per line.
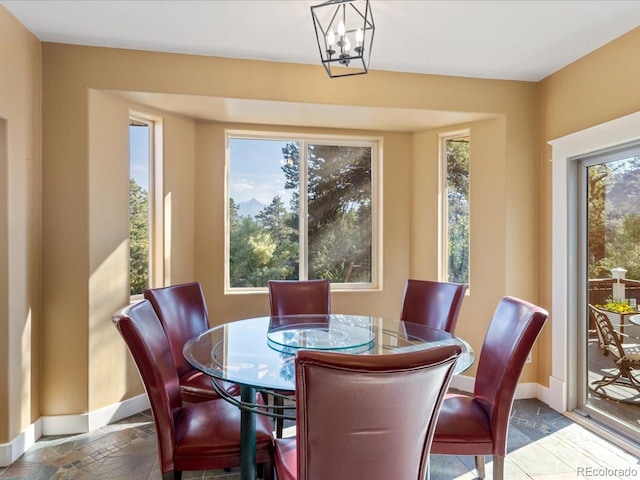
pixel 542 445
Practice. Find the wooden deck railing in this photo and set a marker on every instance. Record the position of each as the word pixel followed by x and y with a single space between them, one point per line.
pixel 602 288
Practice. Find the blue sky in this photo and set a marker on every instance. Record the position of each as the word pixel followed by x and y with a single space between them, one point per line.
pixel 139 155
pixel 255 168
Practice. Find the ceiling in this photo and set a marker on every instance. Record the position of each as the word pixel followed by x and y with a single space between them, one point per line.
pixel 511 40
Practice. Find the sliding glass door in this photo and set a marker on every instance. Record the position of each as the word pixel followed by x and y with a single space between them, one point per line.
pixel 608 192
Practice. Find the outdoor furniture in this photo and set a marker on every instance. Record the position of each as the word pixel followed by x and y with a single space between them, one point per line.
pixel 625 358
pixel 198 436
pixel 434 304
pixel 478 425
pixel 349 422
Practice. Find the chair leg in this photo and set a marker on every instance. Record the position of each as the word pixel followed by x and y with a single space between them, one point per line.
pixel 498 467
pixel 175 475
pixel 480 465
pixel 267 471
pixel 278 402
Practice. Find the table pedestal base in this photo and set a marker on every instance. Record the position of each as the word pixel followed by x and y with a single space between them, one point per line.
pixel 247 435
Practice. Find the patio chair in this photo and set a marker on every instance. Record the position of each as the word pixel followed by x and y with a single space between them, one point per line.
pixel 625 358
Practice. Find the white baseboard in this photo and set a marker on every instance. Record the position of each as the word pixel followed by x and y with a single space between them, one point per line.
pixel 463 383
pixel 70 424
pixel 556 394
pixel 10 452
pixel 86 422
pixel 524 390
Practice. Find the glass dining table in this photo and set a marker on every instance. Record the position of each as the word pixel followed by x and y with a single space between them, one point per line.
pixel 259 355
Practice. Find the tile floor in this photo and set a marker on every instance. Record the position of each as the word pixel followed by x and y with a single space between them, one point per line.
pixel 542 445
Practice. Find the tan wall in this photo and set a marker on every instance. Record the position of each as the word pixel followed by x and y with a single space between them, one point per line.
pixel 74 253
pixel 599 87
pixel 20 193
pixel 109 249
pixel 503 211
pixel 511 196
pixel 109 232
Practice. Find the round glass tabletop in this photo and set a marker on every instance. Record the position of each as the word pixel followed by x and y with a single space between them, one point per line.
pixel 260 352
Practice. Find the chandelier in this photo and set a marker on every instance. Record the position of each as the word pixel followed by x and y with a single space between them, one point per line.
pixel 344 31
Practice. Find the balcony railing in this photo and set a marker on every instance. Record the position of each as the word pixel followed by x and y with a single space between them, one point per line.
pixel 600 289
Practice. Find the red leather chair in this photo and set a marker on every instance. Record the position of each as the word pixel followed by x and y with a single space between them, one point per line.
pixel 182 311
pixel 299 297
pixel 434 304
pixel 351 421
pixel 198 436
pixel 478 425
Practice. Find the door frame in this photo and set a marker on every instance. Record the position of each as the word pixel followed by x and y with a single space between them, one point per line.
pixel 562 393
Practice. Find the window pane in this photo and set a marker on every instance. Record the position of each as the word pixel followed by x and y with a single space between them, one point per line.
pixel 613 214
pixel 613 286
pixel 457 150
pixel 263 211
pixel 139 212
pixel 339 213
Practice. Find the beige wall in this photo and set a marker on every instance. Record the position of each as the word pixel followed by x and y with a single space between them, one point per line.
pixel 84 364
pixel 79 260
pixel 109 249
pixel 109 232
pixel 55 312
pixel 20 197
pixel 503 221
pixel 93 344
pixel 599 87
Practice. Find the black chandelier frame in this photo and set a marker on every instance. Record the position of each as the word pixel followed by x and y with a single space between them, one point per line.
pixel 336 54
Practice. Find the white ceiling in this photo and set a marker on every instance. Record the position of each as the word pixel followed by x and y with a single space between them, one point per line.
pixel 513 40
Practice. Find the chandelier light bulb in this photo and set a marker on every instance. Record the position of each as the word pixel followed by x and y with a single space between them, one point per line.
pixel 331 39
pixel 341 29
pixel 347 45
pixel 359 37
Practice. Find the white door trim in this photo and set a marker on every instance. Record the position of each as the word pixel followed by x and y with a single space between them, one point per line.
pixel 563 311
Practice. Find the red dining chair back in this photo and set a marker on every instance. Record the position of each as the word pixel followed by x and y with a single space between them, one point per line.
pixel 198 436
pixel 434 304
pixel 478 425
pixel 182 311
pixel 350 423
pixel 299 297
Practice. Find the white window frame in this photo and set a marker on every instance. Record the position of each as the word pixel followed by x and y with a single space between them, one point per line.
pixel 156 200
pixel 443 205
pixel 376 201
